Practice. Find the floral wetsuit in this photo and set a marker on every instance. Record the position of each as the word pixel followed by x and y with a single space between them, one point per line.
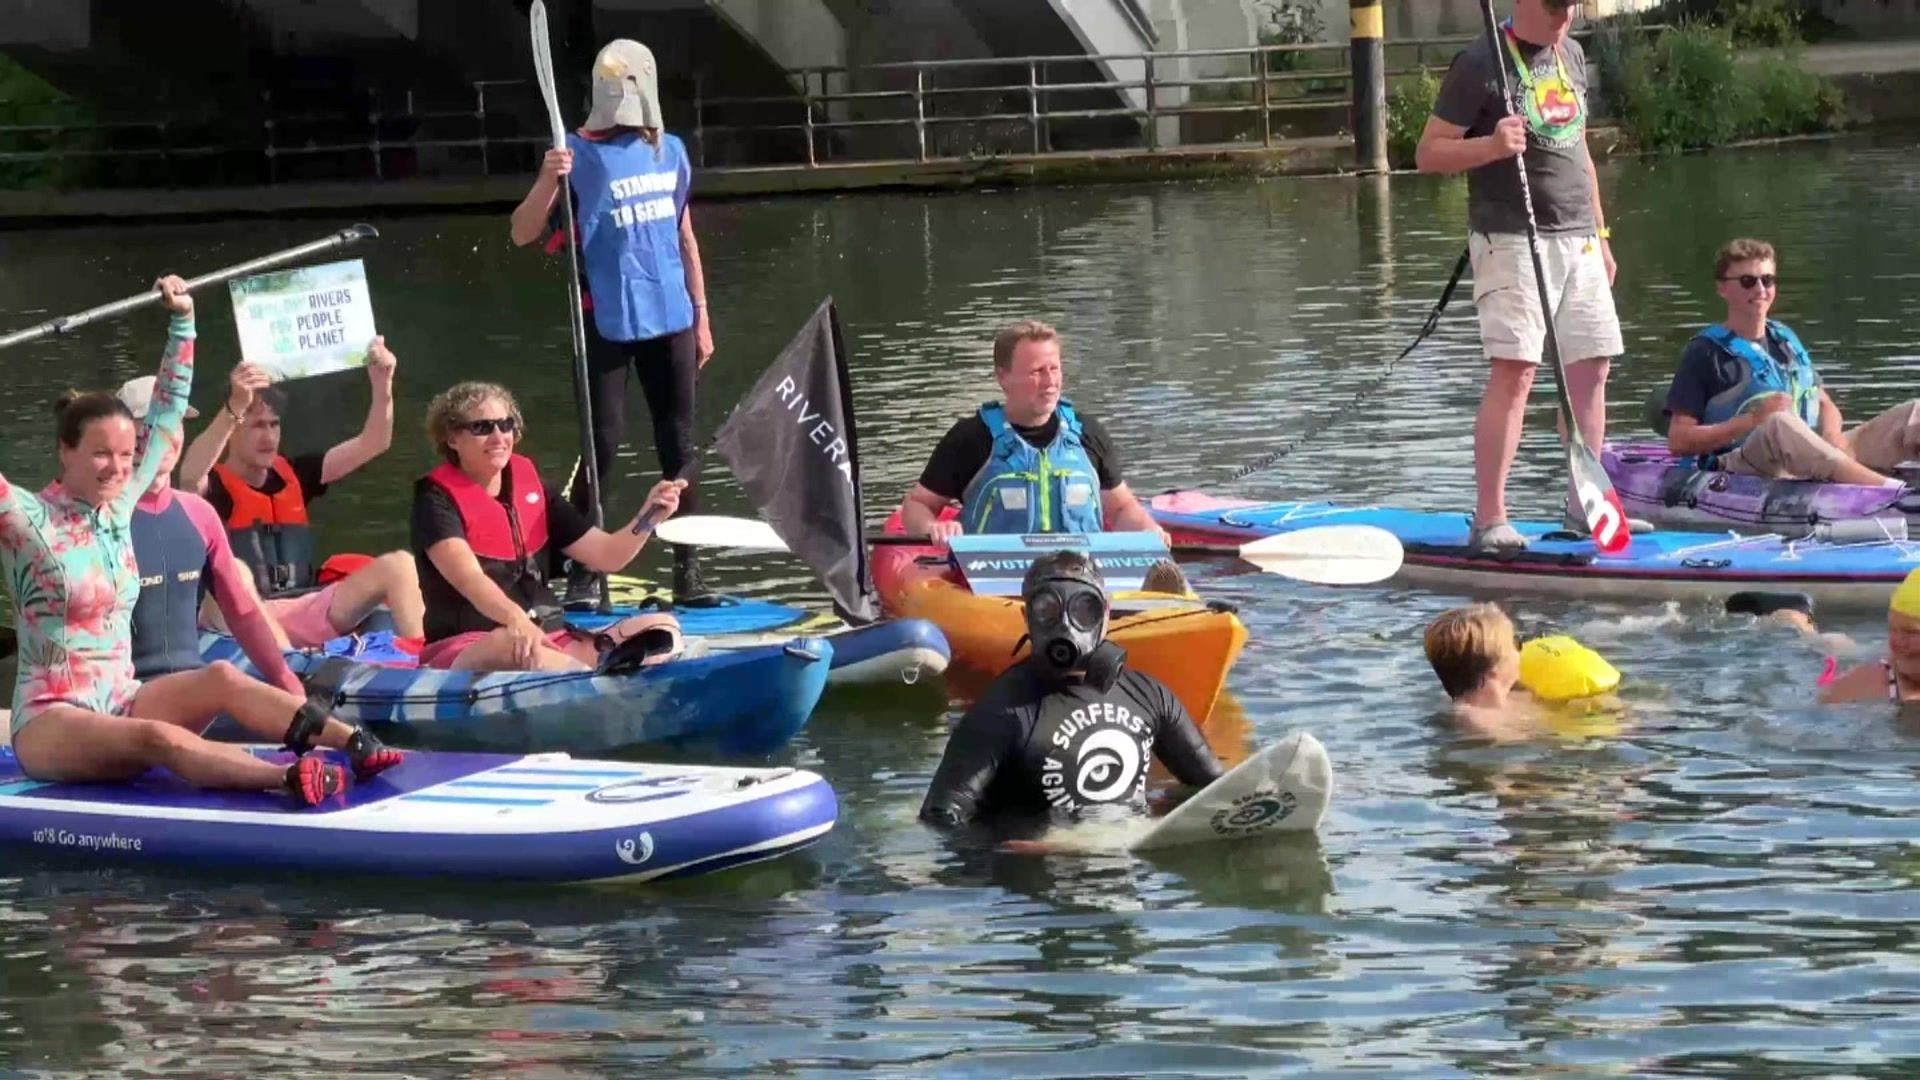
pixel 70 568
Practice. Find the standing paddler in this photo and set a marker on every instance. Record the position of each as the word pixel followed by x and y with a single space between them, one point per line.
pixel 1471 131
pixel 641 279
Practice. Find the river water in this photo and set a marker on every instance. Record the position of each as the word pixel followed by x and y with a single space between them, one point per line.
pixel 1723 883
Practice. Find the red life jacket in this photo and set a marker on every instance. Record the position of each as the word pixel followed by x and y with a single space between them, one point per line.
pixel 510 543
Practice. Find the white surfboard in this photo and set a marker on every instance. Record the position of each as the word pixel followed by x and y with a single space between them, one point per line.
pixel 1282 788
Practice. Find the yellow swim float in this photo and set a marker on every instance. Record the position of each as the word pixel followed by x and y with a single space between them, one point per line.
pixel 1561 669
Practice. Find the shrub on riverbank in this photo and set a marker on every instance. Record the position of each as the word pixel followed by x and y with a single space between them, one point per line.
pixel 1409 103
pixel 1689 88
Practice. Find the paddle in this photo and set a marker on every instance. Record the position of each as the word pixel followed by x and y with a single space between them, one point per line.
pixel 1325 555
pixel 69 323
pixel 543 74
pixel 1599 503
pixel 1328 554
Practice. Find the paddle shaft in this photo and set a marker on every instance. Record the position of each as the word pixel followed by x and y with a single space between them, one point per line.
pixel 582 398
pixel 66 324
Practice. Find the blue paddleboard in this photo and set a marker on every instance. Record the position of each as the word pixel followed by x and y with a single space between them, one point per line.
pixel 543 817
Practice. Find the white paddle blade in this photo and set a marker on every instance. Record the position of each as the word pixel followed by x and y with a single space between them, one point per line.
pixel 713 530
pixel 543 71
pixel 1329 554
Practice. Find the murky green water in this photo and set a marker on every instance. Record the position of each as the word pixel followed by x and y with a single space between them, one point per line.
pixel 1727 887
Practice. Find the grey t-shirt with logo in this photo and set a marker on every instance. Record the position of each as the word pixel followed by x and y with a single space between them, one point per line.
pixel 1556 157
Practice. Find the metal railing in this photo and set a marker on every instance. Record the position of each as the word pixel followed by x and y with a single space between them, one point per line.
pixel 912 111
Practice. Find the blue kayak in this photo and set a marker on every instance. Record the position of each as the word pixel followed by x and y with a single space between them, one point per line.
pixel 734 701
pixel 1656 565
pixel 538 818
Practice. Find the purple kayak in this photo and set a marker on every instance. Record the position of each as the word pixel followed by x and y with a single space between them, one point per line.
pixel 1673 493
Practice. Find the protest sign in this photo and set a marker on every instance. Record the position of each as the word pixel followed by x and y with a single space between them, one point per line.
pixel 307 321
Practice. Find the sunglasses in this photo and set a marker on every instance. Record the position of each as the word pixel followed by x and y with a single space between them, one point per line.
pixel 482 428
pixel 1748 281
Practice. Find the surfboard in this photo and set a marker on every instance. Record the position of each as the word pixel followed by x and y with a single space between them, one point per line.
pixel 1284 787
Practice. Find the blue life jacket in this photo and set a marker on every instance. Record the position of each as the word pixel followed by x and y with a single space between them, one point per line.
pixel 630 199
pixel 1024 489
pixel 1763 376
pixel 172 556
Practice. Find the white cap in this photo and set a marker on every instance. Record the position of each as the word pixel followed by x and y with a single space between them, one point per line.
pixel 137 396
pixel 626 88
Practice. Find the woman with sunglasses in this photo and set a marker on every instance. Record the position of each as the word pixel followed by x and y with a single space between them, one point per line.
pixel 483 525
pixel 79 714
pixel 1748 400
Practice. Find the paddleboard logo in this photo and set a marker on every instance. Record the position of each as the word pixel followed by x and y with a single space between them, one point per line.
pixel 642 789
pixel 1097 756
pixel 635 852
pixel 1604 518
pixel 1256 811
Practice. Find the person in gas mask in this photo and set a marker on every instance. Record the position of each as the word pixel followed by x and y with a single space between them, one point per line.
pixel 1068 733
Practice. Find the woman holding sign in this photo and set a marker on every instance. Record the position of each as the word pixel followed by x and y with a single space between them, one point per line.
pixel 78 711
pixel 641 279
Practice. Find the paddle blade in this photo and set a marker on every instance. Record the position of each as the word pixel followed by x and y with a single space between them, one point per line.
pixel 713 530
pixel 1329 554
pixel 1599 503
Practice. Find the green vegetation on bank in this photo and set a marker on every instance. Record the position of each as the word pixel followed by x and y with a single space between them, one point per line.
pixel 1683 88
pixel 27 99
pixel 1689 87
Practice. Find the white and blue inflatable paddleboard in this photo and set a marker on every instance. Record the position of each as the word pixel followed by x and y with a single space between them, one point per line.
pixel 1284 787
pixel 543 817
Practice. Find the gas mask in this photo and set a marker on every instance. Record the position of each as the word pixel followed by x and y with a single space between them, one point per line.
pixel 1066 611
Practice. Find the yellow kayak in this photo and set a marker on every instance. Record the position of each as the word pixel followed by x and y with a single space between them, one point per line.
pixel 1180 640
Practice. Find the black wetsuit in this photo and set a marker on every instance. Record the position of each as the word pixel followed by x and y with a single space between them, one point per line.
pixel 1036 747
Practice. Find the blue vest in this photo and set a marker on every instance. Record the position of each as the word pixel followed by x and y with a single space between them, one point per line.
pixel 172 556
pixel 630 200
pixel 1763 375
pixel 1021 489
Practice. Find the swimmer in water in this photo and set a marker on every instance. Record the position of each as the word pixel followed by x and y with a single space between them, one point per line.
pixel 1474 653
pixel 1896 678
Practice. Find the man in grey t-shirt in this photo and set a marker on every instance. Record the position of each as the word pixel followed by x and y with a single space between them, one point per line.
pixel 1470 131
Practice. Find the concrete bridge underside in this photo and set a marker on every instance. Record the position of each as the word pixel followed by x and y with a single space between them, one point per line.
pixel 227 64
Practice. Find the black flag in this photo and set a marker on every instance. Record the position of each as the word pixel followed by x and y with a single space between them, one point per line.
pixel 790 442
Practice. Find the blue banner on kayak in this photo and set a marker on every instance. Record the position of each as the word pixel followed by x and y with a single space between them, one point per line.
pixel 994 565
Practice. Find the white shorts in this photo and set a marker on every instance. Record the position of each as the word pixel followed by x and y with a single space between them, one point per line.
pixel 1511 326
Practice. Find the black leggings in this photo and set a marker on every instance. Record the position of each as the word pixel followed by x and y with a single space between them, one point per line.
pixel 668 367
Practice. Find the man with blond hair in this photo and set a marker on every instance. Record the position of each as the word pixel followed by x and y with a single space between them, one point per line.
pixel 1748 400
pixel 1475 655
pixel 1028 463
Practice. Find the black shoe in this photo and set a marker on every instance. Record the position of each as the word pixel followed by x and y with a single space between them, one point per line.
pixel 688 589
pixel 583 589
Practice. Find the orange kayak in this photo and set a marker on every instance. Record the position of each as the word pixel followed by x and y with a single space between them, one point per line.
pixel 1181 640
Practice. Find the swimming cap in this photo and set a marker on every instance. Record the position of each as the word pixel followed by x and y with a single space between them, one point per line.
pixel 1906 598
